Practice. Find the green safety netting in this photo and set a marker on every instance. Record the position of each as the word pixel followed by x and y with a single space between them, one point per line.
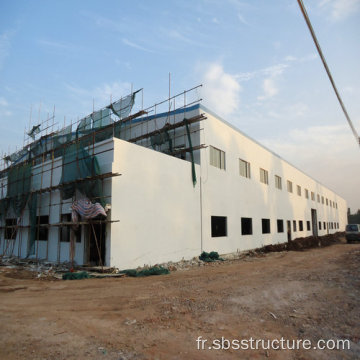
pixel 19 181
pixel 154 270
pixel 79 164
pixel 210 257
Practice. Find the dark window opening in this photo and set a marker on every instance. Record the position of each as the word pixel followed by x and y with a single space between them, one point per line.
pixel 294 225
pixel 10 229
pixel 301 227
pixel 308 226
pixel 265 226
pixel 324 225
pixel 218 226
pixel 319 225
pixel 65 230
pixel 246 226
pixel 280 226
pixel 42 232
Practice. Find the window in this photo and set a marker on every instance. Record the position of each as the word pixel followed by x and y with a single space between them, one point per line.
pixel 306 193
pixel 217 158
pixel 322 199
pixel 312 196
pixel 294 225
pixel 330 203
pixel 10 229
pixel 319 225
pixel 265 226
pixel 318 198
pixel 244 168
pixel 327 201
pixel 280 226
pixel 324 225
pixel 246 226
pixel 65 230
pixel 308 226
pixel 301 227
pixel 264 176
pixel 289 186
pixel 337 225
pixel 298 190
pixel 42 232
pixel 278 182
pixel 218 226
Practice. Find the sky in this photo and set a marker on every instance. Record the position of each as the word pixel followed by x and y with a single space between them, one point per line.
pixel 255 58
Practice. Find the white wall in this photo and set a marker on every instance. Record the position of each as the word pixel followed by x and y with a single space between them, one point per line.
pixel 157 205
pixel 226 193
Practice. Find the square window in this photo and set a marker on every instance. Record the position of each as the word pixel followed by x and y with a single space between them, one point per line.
pixel 244 168
pixel 265 226
pixel 217 158
pixel 218 226
pixel 278 184
pixel 301 226
pixel 264 176
pixel 246 226
pixel 306 193
pixel 10 229
pixel 280 226
pixel 298 190
pixel 289 186
pixel 308 226
pixel 42 230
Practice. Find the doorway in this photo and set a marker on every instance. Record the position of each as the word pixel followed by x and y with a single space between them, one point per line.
pixel 97 244
pixel 288 230
pixel 314 222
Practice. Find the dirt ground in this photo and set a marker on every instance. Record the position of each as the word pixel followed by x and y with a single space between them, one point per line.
pixel 312 294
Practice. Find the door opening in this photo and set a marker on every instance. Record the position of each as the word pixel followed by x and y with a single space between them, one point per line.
pixel 314 222
pixel 288 226
pixel 97 244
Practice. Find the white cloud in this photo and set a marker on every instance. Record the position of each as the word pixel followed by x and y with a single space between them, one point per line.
pixel 340 9
pixel 270 89
pixel 135 46
pixel 220 89
pixel 4 110
pixel 99 95
pixel 4 47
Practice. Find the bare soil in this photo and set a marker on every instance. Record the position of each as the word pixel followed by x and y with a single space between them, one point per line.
pixel 312 294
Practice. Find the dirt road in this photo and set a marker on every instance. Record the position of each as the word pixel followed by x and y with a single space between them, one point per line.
pixel 313 295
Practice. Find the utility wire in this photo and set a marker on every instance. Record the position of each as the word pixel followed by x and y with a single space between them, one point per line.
pixel 306 17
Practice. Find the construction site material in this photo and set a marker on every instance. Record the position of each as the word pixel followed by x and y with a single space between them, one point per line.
pixel 154 270
pixel 210 257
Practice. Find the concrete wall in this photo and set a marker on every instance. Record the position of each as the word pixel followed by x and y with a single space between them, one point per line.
pixel 157 205
pixel 226 193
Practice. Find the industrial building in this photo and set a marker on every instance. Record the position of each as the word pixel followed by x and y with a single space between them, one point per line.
pixel 123 188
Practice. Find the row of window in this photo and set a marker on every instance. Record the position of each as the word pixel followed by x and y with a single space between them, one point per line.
pixel 217 159
pixel 219 226
pixel 41 230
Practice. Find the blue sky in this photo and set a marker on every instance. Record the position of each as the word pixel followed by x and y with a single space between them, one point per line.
pixel 256 59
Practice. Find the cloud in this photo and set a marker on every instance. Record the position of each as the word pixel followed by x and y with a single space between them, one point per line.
pixel 220 89
pixel 100 95
pixel 135 46
pixel 340 9
pixel 4 110
pixel 4 46
pixel 269 88
pixel 56 45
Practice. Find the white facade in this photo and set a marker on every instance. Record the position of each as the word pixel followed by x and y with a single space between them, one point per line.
pixel 159 215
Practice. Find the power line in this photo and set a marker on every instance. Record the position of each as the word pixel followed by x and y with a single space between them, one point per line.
pixel 306 17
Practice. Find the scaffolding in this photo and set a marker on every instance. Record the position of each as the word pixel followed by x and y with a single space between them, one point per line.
pixel 55 168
